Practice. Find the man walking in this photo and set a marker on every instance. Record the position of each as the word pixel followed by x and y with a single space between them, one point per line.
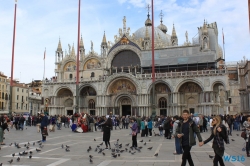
pixel 185 132
pixel 44 123
pixel 178 149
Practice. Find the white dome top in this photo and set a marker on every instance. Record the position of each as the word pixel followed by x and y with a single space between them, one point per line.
pixel 159 36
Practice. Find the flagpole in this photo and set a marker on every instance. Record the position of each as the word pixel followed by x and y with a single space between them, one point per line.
pixel 44 65
pixel 12 60
pixel 223 45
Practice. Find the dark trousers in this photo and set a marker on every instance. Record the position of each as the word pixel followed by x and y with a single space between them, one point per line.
pixel 134 141
pixel 126 125
pixel 150 132
pixel 248 145
pixel 146 131
pixel 201 129
pixel 107 143
pixel 217 159
pixel 142 133
pixel 123 125
pixel 167 132
pixel 187 156
pixel 43 137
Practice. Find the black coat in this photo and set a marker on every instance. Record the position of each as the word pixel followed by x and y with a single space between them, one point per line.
pixel 106 132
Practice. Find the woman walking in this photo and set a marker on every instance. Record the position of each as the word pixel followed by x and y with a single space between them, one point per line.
pixel 219 134
pixel 106 132
pixel 246 125
pixel 134 133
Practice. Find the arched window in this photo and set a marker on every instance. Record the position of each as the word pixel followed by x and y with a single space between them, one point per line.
pixel 3 96
pixel 70 76
pixel 91 104
pixel 162 103
pixel 6 97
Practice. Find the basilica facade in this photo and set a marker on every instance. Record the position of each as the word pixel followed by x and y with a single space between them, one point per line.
pixel 189 75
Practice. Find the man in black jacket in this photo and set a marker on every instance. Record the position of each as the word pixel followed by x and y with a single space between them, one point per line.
pixel 44 123
pixel 21 122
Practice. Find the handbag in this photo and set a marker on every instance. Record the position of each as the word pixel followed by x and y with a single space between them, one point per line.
pixel 133 133
pixel 45 132
pixel 243 135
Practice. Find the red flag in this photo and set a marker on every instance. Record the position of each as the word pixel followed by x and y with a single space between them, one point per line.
pixel 223 36
pixel 44 54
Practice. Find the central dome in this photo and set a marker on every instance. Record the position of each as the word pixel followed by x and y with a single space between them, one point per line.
pixel 159 36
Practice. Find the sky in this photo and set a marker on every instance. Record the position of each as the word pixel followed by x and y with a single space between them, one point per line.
pixel 40 24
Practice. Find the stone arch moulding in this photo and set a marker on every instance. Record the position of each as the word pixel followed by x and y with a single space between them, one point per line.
pixel 113 78
pixel 218 82
pixel 133 101
pixel 64 87
pixel 122 48
pixel 159 81
pixel 183 81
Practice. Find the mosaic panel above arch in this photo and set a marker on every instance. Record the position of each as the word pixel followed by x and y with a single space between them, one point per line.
pixel 190 87
pixel 161 88
pixel 122 85
pixel 70 66
pixel 92 64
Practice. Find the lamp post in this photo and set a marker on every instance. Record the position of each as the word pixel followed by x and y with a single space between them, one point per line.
pixel 12 60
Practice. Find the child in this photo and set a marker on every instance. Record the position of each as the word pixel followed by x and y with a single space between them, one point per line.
pixel 161 130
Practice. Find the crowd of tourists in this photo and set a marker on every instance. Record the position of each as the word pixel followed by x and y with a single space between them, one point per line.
pixel 183 129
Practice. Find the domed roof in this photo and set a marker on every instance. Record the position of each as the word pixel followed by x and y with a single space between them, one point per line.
pixel 163 28
pixel 159 36
pixel 148 22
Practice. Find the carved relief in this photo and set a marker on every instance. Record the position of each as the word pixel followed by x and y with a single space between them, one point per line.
pixel 92 64
pixel 162 88
pixel 68 103
pixel 122 85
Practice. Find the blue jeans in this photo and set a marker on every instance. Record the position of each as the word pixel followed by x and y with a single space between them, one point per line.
pixel 178 147
pixel 21 126
pixel 161 132
pixel 238 126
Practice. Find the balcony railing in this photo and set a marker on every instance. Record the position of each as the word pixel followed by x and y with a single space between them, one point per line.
pixel 183 74
pixel 145 76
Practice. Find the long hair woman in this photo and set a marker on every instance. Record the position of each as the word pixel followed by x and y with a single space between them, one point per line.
pixel 219 134
pixel 106 132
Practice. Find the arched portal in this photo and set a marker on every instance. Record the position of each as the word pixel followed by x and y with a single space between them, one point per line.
pixel 64 98
pixel 189 94
pixel 88 100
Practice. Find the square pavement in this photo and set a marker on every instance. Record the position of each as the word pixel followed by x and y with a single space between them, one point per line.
pixel 52 153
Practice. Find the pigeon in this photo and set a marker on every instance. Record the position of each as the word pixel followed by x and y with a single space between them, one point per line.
pixel 150 148
pixel 88 150
pixel 119 155
pixel 121 151
pixel 67 150
pixel 141 141
pixel 18 159
pixel 29 147
pixel 34 143
pixel 10 144
pixel 25 145
pixel 211 157
pixel 96 150
pixel 39 141
pixel 90 156
pixel 28 143
pixel 149 140
pixel 103 153
pixel 91 161
pixel 127 144
pixel 38 150
pixel 94 139
pixel 30 156
pixel 20 154
pixel 62 146
pixel 31 152
pixel 101 144
pixel 18 147
pixel 117 140
pixel 132 152
pixel 156 155
pixel 41 146
pixel 140 147
pixel 131 148
pixel 232 139
pixel 126 149
pixel 10 161
pixel 115 155
pixel 24 153
pixel 237 134
pixel 90 147
pixel 13 154
pixel 67 146
pixel 145 143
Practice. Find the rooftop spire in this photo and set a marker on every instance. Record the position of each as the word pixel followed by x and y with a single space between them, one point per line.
pixel 162 27
pixel 204 29
pixel 81 43
pixel 161 15
pixel 148 21
pixel 73 50
pixel 104 38
pixel 59 47
pixel 173 31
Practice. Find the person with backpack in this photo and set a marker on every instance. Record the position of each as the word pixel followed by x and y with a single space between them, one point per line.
pixel 185 132
pixel 178 149
pixel 219 134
